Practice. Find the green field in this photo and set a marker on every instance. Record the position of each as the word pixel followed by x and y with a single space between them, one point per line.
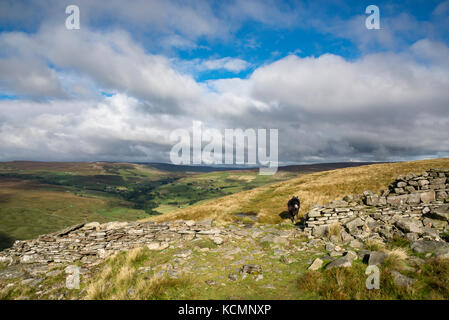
pixel 42 197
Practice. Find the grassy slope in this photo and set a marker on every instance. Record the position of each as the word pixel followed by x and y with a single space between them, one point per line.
pixel 127 270
pixel 42 197
pixel 321 187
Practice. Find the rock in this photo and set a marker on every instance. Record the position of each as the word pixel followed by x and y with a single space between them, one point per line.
pixel 184 253
pixel 157 246
pixel 189 223
pixel 356 244
pixel 409 225
pixel 423 182
pixel 67 230
pixel 31 282
pixel 429 246
pixel 337 203
pixel 414 198
pixel 431 232
pixel 217 240
pixel 336 254
pixel 441 195
pixel 345 237
pixel 114 225
pixel 232 277
pixel 314 213
pixel 350 255
pixel 441 213
pixel 412 237
pixel 374 258
pixel 428 196
pixel 320 231
pixel 91 226
pixel 329 247
pixel 343 262
pixel 354 224
pixel 317 264
pixel 206 223
pixel 434 223
pixel 397 200
pixel 372 200
pixel 334 239
pixel 399 190
pixel 280 240
pixel 401 280
pixel 28 258
pixel 251 269
pixel 12 272
pixel 7 260
pixel 401 184
pixel 442 253
pixel 53 273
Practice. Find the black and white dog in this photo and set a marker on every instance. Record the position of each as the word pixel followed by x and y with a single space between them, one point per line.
pixel 293 207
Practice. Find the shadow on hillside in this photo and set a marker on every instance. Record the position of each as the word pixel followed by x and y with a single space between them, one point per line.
pixel 284 215
pixel 5 241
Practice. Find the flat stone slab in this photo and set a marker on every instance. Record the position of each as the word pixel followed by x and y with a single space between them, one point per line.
pixel 426 246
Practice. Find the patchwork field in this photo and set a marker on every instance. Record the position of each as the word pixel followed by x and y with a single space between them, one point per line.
pixel 42 197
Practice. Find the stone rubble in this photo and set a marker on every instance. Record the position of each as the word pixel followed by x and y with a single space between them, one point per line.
pixel 414 207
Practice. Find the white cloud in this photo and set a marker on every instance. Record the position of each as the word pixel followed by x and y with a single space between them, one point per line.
pixel 235 65
pixel 379 107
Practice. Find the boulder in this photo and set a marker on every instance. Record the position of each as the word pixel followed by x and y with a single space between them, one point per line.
pixel 114 225
pixel 356 244
pixel 251 269
pixel 440 213
pixel 414 198
pixel 374 258
pixel 397 200
pixel 409 225
pixel 343 262
pixel 372 200
pixel 401 280
pixel 320 231
pixel 435 223
pixel 157 246
pixel 354 224
pixel 314 213
pixel 441 195
pixel 428 196
pixel 316 265
pixel 429 246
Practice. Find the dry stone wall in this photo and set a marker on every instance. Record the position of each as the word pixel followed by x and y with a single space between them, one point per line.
pixel 92 242
pixel 414 206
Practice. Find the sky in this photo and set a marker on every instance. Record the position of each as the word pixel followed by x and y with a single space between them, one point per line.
pixel 135 71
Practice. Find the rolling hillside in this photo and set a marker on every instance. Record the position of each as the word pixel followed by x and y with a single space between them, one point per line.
pixel 321 187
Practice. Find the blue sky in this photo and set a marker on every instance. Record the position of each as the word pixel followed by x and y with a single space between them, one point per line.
pixel 144 68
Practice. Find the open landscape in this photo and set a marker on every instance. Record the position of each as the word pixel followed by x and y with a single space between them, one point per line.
pixel 224 150
pixel 238 246
pixel 43 197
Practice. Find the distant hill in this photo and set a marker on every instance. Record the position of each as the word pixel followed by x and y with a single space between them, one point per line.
pixel 268 202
